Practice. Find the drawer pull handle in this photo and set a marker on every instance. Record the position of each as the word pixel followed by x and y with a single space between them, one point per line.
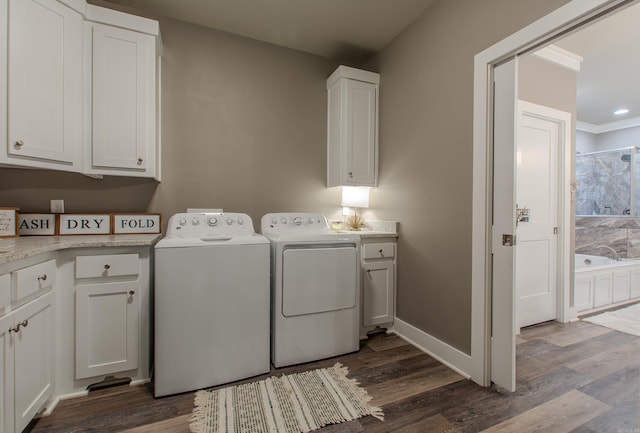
pixel 132 292
pixel 42 277
pixel 16 328
pixel 140 160
pixel 380 251
pixel 351 174
pixel 107 267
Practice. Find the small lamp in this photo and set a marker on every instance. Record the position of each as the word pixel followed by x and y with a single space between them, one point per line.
pixel 355 197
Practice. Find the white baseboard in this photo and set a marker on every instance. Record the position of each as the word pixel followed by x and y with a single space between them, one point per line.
pixel 453 358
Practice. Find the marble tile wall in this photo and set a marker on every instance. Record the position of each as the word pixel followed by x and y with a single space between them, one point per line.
pixel 604 183
pixel 620 233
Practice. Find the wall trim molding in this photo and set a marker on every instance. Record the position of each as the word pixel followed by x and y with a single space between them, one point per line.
pixel 560 56
pixel 608 127
pixel 453 358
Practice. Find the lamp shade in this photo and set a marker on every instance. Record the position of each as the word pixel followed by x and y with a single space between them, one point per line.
pixel 355 196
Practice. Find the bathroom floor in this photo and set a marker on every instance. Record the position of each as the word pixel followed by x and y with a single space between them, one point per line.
pixel 574 377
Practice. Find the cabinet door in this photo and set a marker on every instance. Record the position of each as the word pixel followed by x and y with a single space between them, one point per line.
pixel 106 328
pixel 603 292
pixel 583 290
pixel 6 374
pixel 33 353
pixel 377 297
pixel 123 83
pixel 360 156
pixel 45 84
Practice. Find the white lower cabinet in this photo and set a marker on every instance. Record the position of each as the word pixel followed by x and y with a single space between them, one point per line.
pixel 378 283
pixel 106 328
pixel 107 314
pixel 377 286
pixel 599 289
pixel 26 361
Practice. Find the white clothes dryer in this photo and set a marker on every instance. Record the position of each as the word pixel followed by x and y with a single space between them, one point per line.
pixel 315 280
pixel 211 302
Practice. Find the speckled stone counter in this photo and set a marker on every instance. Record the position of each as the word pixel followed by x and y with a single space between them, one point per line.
pixel 375 229
pixel 12 249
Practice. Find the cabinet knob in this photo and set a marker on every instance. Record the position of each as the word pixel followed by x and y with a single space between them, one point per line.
pixel 380 251
pixel 350 174
pixel 42 277
pixel 107 267
pixel 19 143
pixel 132 292
pixel 140 160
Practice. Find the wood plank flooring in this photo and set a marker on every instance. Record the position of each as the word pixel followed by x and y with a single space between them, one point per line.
pixel 574 377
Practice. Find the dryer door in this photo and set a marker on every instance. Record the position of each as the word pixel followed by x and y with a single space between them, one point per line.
pixel 318 279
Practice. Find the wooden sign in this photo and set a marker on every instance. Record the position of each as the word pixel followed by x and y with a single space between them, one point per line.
pixel 8 222
pixel 37 224
pixel 84 224
pixel 136 223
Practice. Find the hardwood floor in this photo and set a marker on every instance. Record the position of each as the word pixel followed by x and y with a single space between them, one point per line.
pixel 574 377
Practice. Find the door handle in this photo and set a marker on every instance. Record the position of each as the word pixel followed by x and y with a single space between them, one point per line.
pixel 508 240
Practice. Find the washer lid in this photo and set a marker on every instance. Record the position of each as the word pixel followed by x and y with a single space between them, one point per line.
pixel 212 241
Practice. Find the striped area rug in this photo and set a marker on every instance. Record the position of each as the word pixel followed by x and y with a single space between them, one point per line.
pixel 295 403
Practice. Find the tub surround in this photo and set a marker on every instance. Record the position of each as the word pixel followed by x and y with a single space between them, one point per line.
pixel 12 249
pixel 620 233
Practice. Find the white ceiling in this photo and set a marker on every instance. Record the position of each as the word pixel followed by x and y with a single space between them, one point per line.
pixel 609 78
pixel 352 31
pixel 349 31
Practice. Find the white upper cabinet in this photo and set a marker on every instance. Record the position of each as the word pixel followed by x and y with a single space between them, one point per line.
pixel 81 90
pixel 44 85
pixel 352 137
pixel 122 94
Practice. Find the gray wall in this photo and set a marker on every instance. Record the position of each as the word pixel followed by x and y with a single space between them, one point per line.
pixel 244 128
pixel 426 121
pixel 586 142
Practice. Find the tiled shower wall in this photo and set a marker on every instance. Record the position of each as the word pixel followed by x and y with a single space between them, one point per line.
pixel 620 233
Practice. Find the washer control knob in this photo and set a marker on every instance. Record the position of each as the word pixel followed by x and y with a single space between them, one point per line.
pixel 182 221
pixel 297 221
pixel 195 221
pixel 240 221
pixel 274 220
pixel 212 221
pixel 283 220
pixel 229 221
pixel 310 220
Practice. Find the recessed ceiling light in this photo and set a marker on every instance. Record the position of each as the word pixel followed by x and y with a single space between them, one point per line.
pixel 621 112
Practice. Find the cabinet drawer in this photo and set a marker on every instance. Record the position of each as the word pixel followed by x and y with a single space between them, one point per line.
pixel 34 278
pixel 109 265
pixel 378 250
pixel 5 290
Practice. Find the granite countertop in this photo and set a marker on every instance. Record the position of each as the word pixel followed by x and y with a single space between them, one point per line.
pixel 374 229
pixel 12 249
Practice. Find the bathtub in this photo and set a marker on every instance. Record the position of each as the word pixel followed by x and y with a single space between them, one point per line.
pixel 601 282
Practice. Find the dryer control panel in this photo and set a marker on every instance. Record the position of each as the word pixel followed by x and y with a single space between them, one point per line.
pixel 294 222
pixel 182 225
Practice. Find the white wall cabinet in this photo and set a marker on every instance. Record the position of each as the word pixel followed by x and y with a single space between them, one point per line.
pixel 107 314
pixel 122 96
pixel 82 92
pixel 378 283
pixel 44 96
pixel 352 121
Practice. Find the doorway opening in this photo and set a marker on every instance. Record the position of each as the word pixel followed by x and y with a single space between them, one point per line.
pixel 493 277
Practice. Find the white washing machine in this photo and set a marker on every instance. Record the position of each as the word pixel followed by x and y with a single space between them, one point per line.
pixel 211 302
pixel 315 280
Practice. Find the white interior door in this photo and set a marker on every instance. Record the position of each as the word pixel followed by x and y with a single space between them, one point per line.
pixel 538 142
pixel 503 346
